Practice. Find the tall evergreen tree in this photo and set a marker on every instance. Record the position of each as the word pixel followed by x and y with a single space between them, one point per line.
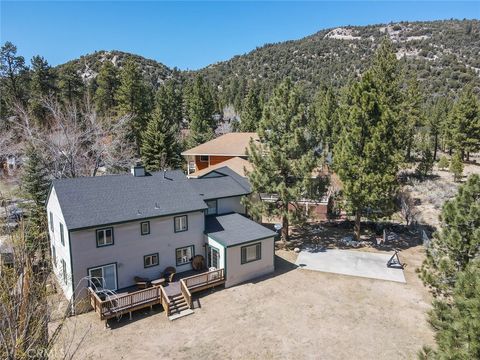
pixel 42 84
pixel 367 155
pixel 466 122
pixel 251 110
pixel 169 99
pixel 436 121
pixel 107 85
pixel 325 124
pixel 413 112
pixel 70 84
pixel 134 98
pixel 456 166
pixel 199 111
pixel 282 161
pixel 457 321
pixel 36 182
pixel 457 242
pixel 12 69
pixel 160 146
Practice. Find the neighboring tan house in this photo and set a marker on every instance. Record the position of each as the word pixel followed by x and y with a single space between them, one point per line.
pixel 230 150
pixel 118 227
pixel 218 150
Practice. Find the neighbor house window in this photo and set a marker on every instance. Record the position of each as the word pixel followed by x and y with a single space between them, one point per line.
pixel 104 237
pixel 181 223
pixel 54 256
pixel 62 236
pixel 212 207
pixel 203 158
pixel 103 277
pixel 145 227
pixel 150 260
pixel 184 255
pixel 191 166
pixel 52 225
pixel 251 253
pixel 64 271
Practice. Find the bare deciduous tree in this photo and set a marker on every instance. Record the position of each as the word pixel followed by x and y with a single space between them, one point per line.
pixel 408 209
pixel 77 142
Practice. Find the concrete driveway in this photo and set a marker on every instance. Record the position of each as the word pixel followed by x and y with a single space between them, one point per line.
pixel 348 262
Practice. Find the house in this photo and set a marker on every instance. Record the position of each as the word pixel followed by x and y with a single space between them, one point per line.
pixel 218 150
pixel 107 230
pixel 230 150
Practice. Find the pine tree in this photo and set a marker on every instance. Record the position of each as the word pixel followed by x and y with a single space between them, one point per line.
pixel 70 84
pixel 107 85
pixel 160 147
pixel 169 99
pixel 367 155
pixel 199 111
pixel 457 321
pixel 42 84
pixel 413 112
pixel 466 122
pixel 12 69
pixel 282 161
pixel 425 165
pixel 456 166
pixel 457 242
pixel 325 124
pixel 251 111
pixel 134 98
pixel 436 120
pixel 36 183
pixel 443 163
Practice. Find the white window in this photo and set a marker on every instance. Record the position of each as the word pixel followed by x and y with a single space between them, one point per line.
pixel 251 253
pixel 184 255
pixel 103 277
pixel 145 228
pixel 150 260
pixel 181 223
pixel 212 207
pixel 104 237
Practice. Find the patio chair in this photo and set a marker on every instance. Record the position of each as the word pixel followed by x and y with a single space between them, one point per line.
pixel 169 273
pixel 142 283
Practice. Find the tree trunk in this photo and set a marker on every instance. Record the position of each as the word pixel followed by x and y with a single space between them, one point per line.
pixel 468 155
pixel 285 228
pixel 358 219
pixel 435 145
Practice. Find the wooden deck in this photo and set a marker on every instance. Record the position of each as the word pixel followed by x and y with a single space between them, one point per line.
pixel 117 304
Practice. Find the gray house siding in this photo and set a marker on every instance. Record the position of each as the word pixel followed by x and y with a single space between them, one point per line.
pixel 230 204
pixel 130 247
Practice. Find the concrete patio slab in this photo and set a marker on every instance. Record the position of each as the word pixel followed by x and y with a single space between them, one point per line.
pixel 347 262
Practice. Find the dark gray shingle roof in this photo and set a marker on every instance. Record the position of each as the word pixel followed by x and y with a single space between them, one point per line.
pixel 222 182
pixel 95 201
pixel 234 229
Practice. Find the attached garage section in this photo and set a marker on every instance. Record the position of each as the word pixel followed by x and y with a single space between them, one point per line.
pixel 244 248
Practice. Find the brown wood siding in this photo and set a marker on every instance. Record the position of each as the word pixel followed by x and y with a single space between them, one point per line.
pixel 218 159
pixel 200 164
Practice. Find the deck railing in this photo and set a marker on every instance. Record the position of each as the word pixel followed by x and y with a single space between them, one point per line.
pixel 186 293
pixel 205 279
pixel 165 301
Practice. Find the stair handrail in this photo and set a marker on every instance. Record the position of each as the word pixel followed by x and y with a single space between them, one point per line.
pixel 186 293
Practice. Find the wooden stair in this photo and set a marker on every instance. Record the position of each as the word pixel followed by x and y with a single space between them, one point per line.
pixel 178 307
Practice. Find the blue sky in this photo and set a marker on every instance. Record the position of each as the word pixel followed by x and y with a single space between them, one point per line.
pixel 191 35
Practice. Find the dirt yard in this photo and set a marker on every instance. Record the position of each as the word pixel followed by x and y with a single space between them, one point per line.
pixel 294 314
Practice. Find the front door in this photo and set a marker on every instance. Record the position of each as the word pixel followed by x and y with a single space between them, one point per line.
pixel 213 257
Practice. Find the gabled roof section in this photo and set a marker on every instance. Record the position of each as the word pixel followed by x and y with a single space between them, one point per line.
pixel 220 183
pixel 231 144
pixel 237 164
pixel 235 229
pixel 103 200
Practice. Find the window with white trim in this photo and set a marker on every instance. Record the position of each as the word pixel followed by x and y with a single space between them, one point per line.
pixel 191 167
pixel 184 255
pixel 103 277
pixel 181 223
pixel 145 227
pixel 251 253
pixel 150 260
pixel 204 158
pixel 104 237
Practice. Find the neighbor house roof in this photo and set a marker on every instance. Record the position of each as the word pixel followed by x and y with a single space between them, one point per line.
pixel 102 200
pixel 231 144
pixel 220 183
pixel 235 229
pixel 237 164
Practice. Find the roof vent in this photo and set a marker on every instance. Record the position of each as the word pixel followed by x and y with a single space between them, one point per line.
pixel 156 206
pixel 138 170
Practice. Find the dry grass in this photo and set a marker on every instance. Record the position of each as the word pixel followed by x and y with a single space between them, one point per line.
pixel 293 314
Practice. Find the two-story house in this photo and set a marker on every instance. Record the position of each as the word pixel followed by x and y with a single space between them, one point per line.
pixel 118 227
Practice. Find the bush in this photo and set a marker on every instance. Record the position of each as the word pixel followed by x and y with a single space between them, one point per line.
pixel 443 163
